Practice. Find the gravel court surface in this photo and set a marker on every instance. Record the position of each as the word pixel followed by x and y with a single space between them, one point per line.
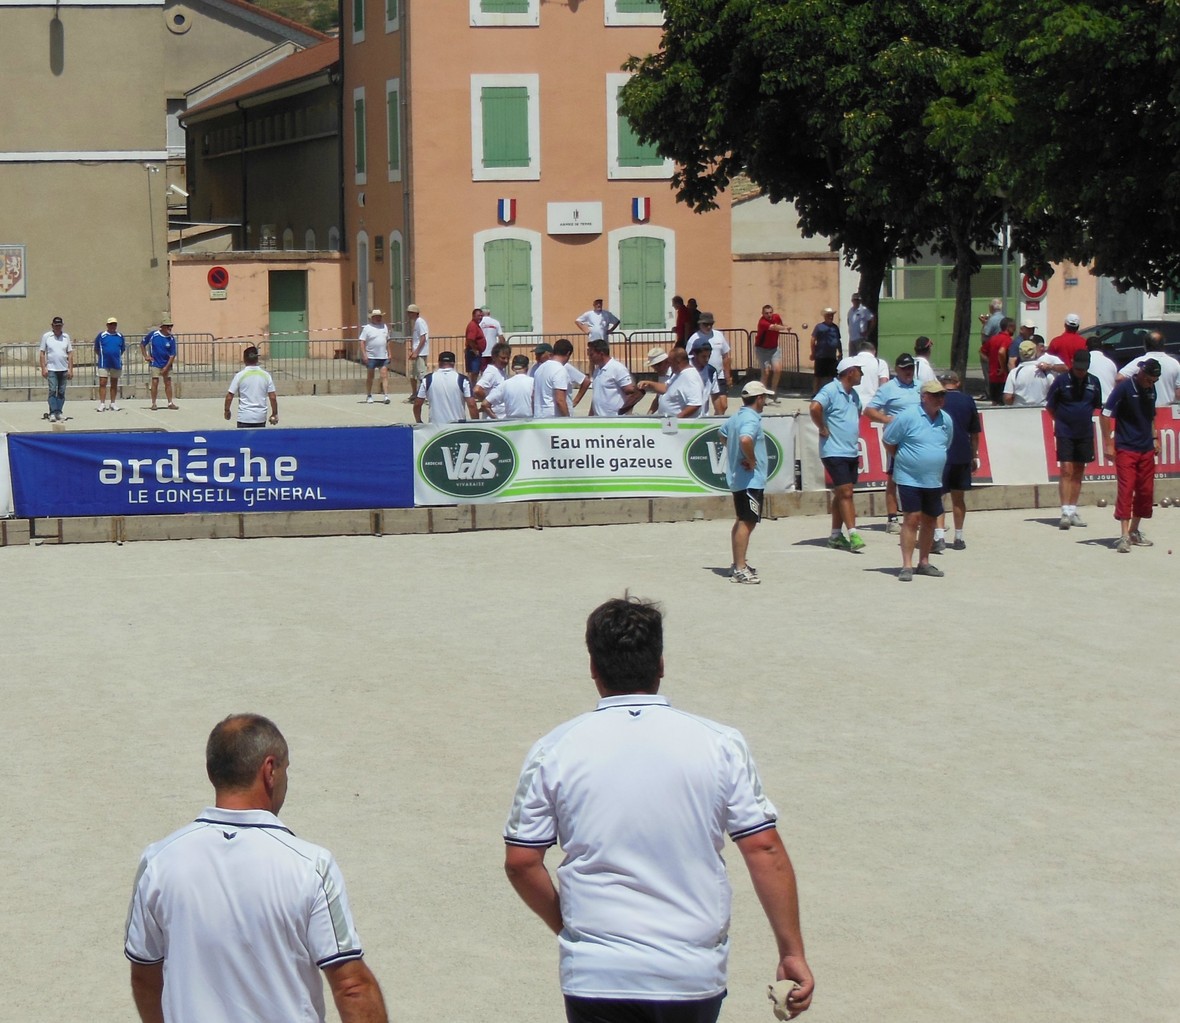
pixel 976 775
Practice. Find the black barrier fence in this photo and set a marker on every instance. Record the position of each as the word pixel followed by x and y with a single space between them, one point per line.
pixel 202 357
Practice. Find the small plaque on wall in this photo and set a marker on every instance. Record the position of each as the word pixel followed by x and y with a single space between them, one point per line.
pixel 575 217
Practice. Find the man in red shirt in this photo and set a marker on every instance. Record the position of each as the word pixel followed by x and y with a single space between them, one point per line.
pixel 995 351
pixel 770 359
pixel 1066 346
pixel 683 329
pixel 473 346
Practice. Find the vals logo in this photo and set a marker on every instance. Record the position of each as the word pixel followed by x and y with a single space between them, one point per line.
pixel 468 463
pixel 706 459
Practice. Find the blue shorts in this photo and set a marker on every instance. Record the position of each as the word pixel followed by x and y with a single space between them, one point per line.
pixel 376 363
pixel 474 361
pixel 927 500
pixel 842 470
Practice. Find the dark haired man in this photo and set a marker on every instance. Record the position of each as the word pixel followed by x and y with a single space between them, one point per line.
pixel 1073 399
pixel 232 916
pixel 642 932
pixel 1133 443
pixel 254 387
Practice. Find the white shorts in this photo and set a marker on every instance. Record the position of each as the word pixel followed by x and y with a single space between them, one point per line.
pixel 113 374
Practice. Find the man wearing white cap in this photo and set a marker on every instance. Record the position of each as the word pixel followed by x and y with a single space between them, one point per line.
pixel 1068 343
pixel 835 410
pixel 419 349
pixel 109 346
pixel 374 337
pixel 744 440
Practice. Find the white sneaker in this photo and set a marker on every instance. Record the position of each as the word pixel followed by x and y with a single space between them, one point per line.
pixel 101 408
pixel 387 399
pixel 113 408
pixel 369 400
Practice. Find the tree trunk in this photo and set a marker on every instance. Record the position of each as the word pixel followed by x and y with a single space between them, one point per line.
pixel 962 331
pixel 872 276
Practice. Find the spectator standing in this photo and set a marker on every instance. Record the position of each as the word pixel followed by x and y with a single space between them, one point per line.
pixel 681 325
pixel 448 391
pixel 232 917
pixel 918 439
pixel 1133 444
pixel 766 348
pixel 923 370
pixel 640 797
pixel 374 338
pixel 1027 385
pixel 597 323
pixel 56 355
pixel 493 334
pixel 419 350
pixel 962 457
pixel 493 375
pixel 473 346
pixel 989 325
pixel 835 410
pixel 708 372
pixel 563 350
pixel 861 321
pixel 551 385
pixel 873 369
pixel 109 346
pixel 1102 366
pixel 1072 400
pixel 683 394
pixel 613 391
pixel 995 352
pixel 1068 343
pixel 1167 387
pixel 254 388
pixel 826 349
pixel 159 352
pixel 891 399
pixel 718 358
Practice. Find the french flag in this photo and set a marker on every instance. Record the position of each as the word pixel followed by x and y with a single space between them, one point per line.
pixel 506 210
pixel 641 209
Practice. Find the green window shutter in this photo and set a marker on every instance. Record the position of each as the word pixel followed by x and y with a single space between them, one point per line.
pixel 505 126
pixel 393 120
pixel 504 6
pixel 358 15
pixel 638 6
pixel 509 284
pixel 641 284
pixel 391 10
pixel 632 152
pixel 396 302
pixel 358 111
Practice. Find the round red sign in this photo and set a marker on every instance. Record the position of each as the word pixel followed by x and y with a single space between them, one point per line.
pixel 218 277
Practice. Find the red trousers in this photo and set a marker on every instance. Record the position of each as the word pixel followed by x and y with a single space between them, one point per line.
pixel 1135 472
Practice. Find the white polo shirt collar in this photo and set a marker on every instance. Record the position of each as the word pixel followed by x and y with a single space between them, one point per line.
pixel 242 818
pixel 632 700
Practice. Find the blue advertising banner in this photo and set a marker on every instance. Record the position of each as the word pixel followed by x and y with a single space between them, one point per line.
pixel 217 471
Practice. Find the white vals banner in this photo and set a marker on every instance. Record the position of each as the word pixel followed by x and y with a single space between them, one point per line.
pixel 550 459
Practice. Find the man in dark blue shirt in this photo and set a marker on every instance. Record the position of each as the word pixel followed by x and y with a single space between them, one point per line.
pixel 1072 400
pixel 961 458
pixel 826 350
pixel 1132 444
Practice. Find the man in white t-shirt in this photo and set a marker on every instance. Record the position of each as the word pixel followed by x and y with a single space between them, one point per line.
pixel 255 388
pixel 1102 366
pixel 448 391
pixel 493 334
pixel 1027 385
pixel 551 385
pixel 684 394
pixel 232 917
pixel 718 359
pixel 563 350
pixel 419 353
pixel 708 373
pixel 874 372
pixel 923 370
pixel 493 374
pixel 375 338
pixel 640 796
pixel 512 398
pixel 1169 378
pixel 56 353
pixel 613 391
pixel 597 323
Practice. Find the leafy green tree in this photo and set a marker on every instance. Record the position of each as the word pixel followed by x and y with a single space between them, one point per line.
pixel 828 103
pixel 323 15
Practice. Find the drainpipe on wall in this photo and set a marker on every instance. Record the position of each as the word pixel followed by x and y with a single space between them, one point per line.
pixel 408 170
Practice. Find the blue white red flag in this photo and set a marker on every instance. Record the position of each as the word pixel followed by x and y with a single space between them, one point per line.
pixel 506 211
pixel 641 209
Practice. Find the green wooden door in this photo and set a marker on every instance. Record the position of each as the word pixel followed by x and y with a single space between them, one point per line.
pixel 509 283
pixel 288 314
pixel 642 291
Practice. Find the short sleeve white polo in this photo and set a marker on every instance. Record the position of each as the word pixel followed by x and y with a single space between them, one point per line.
pixel 253 385
pixel 684 389
pixel 447 392
pixel 607 384
pixel 420 336
pixel 550 376
pixel 640 797
pixel 244 915
pixel 515 396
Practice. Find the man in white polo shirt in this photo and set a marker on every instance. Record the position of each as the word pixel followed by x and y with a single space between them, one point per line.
pixel 233 917
pixel 640 797
pixel 614 392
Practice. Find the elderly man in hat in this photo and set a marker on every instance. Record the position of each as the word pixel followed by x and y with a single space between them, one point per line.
pixel 109 346
pixel 1132 443
pixel 835 410
pixel 1027 385
pixel 659 364
pixel 918 440
pixel 826 348
pixel 374 337
pixel 159 352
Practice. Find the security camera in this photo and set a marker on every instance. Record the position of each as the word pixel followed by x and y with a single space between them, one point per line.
pixel 178 190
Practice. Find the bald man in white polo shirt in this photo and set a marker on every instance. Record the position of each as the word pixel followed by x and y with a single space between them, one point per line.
pixel 233 917
pixel 640 797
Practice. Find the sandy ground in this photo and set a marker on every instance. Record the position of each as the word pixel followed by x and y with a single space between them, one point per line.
pixel 977 775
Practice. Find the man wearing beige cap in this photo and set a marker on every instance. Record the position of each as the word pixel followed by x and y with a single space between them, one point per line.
pixel 374 337
pixel 109 346
pixel 917 441
pixel 159 352
pixel 826 349
pixel 419 349
pixel 657 363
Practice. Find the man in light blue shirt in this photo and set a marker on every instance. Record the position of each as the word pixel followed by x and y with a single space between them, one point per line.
pixel 891 399
pixel 835 410
pixel 917 440
pixel 745 448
